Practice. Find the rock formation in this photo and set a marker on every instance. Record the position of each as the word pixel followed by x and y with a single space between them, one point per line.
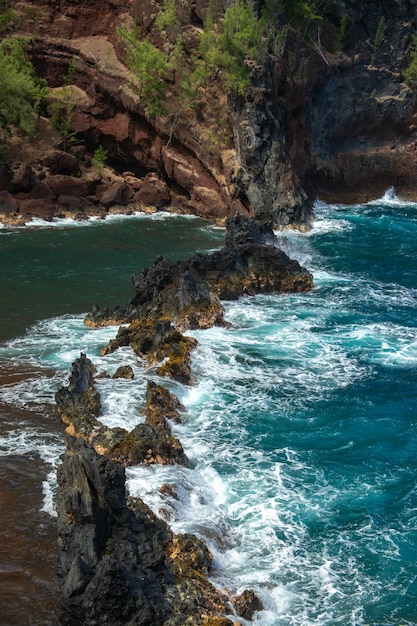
pixel 118 563
pixel 327 113
pixel 171 298
pixel 149 442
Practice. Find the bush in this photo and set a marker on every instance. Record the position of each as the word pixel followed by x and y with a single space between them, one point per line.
pixel 150 68
pixel 410 74
pixel 21 91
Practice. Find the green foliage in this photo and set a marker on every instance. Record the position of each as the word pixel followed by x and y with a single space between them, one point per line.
pixel 236 40
pixel 379 36
pixel 167 18
pixel 303 13
pixel 99 159
pixel 340 35
pixel 21 91
pixel 62 109
pixel 410 73
pixel 150 68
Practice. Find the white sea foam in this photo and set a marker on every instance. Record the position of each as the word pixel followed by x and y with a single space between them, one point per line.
pixel 65 222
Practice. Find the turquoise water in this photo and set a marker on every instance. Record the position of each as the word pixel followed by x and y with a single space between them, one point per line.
pixel 300 427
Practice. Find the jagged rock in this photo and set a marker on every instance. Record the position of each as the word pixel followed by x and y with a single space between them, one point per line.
pixel 105 576
pixel 124 371
pixel 247 604
pixel 171 297
pixel 161 405
pixel 241 229
pixel 144 444
pixel 118 563
pixel 158 341
pixel 79 407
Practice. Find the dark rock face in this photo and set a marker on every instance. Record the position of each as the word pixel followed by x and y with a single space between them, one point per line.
pixel 107 577
pixel 118 563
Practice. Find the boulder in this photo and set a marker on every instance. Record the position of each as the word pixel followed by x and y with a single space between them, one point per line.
pixel 40 191
pixel 61 184
pixel 60 162
pixel 39 208
pixel 8 203
pixel 246 604
pixel 124 371
pixel 153 191
pixel 118 193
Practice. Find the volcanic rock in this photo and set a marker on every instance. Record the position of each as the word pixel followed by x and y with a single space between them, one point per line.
pixel 79 407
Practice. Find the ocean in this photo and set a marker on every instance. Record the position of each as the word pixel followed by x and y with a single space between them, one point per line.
pixel 300 424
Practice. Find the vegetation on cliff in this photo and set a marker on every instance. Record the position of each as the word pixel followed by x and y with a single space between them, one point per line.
pixel 22 91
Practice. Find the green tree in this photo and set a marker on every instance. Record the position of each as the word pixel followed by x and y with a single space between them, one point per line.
pixel 150 68
pixel 99 159
pixel 21 90
pixel 167 18
pixel 410 73
pixel 230 45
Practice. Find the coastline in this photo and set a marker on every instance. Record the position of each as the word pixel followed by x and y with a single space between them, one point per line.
pixel 168 298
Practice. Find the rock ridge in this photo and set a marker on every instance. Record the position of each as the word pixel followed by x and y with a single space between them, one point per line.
pixel 117 561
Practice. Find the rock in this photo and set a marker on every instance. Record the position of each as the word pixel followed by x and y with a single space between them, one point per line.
pixel 79 407
pixel 111 565
pixel 153 191
pixel 67 186
pixel 5 179
pixel 39 208
pixel 241 229
pixel 118 193
pixel 8 204
pixel 124 371
pixel 72 203
pixel 40 191
pixel 23 177
pixel 161 405
pixel 159 342
pixel 247 604
pixel 60 162
pixel 171 298
pixel 79 403
pixel 144 444
pixel 118 563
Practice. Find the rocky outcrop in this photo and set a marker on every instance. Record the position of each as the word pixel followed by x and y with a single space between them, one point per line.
pixel 79 407
pixel 171 298
pixel 118 563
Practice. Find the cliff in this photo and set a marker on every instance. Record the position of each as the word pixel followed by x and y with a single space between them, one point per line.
pixel 326 112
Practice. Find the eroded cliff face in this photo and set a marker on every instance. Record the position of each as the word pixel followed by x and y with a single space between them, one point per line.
pixel 360 115
pixel 319 120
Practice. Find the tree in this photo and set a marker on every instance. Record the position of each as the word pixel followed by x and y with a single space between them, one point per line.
pixel 21 90
pixel 150 68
